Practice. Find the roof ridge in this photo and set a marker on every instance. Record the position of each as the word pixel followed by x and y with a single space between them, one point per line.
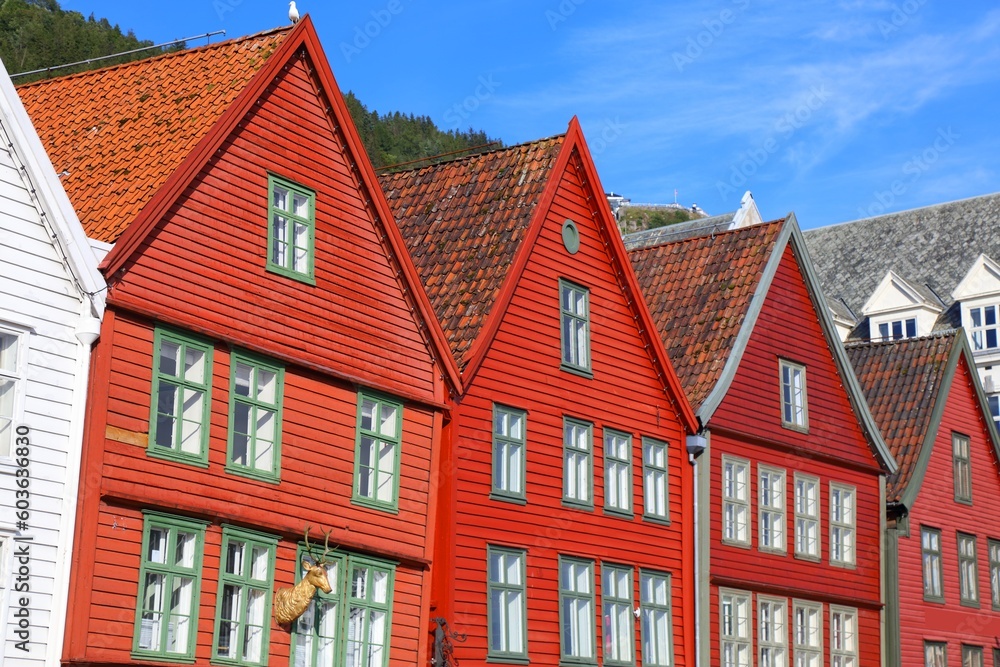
pixel 688 239
pixel 907 211
pixel 169 54
pixel 389 174
pixel 943 333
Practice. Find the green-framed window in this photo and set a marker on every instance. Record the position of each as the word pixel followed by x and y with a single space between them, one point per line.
pixel 509 452
pixel 617 472
pixel 291 229
pixel 843 519
pixel 376 467
pixel 972 656
pixel 576 611
pixel 256 389
pixel 935 654
pixel 317 637
pixel 578 463
pixel 243 608
pixel 181 397
pixel 994 549
pixel 962 468
pixel 655 491
pixel 574 303
pixel 166 617
pixel 968 570
pixel 656 618
pixel 507 604
pixel 930 548
pixel 619 623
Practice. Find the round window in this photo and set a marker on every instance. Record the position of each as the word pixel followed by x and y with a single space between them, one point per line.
pixel 571 237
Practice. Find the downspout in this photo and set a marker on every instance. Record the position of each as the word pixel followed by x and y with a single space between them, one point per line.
pixel 696 445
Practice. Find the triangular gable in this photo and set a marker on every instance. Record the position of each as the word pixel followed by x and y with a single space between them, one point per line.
pixel 982 279
pixel 895 294
pixel 748 213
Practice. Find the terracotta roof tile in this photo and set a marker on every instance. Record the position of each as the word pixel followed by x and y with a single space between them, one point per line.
pixel 463 222
pixel 901 380
pixel 698 291
pixel 116 134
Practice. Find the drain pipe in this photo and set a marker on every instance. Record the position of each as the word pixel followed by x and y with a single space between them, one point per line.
pixel 696 444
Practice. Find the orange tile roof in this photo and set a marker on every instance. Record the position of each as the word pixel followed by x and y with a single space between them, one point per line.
pixel 901 380
pixel 116 134
pixel 698 291
pixel 463 222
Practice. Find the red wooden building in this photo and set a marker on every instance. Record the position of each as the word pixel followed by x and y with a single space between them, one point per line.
pixel 943 544
pixel 268 361
pixel 790 484
pixel 564 523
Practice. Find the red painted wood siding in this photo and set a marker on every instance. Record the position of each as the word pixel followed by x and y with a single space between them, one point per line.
pixel 521 370
pixel 935 507
pixel 204 266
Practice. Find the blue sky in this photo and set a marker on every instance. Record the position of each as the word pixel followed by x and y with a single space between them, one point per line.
pixel 835 110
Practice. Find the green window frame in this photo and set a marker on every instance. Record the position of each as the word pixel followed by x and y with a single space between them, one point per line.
pixel 377 452
pixel 843 521
pixel 574 305
pixel 368 619
pixel 578 463
pixel 930 552
pixel 256 392
pixel 968 570
pixel 972 656
pixel 291 229
pixel 735 501
pixel 317 635
pixel 655 480
pixel 166 614
pixel 794 401
pixel 617 473
pixel 507 604
pixel 180 397
pixel 656 616
pixel 994 549
pixel 935 654
pixel 619 623
pixel 243 601
pixel 509 453
pixel 962 468
pixel 577 644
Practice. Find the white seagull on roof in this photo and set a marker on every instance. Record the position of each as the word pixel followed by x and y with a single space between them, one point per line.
pixel 293 12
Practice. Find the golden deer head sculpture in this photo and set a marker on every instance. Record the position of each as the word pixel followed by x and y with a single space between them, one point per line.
pixel 290 603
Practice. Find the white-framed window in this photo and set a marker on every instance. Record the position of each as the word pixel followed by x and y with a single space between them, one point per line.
pixel 771 508
pixel 843 637
pixel 617 472
pixel 735 501
pixel 507 603
pixel 807 518
pixel 962 466
pixel 578 463
pixel 508 451
pixel 575 328
pixel 13 359
pixel 616 600
pixel 576 609
pixel 994 402
pixel 656 617
pixel 807 633
pixel 897 329
pixel 983 327
pixel 734 628
pixel 968 570
pixel 772 631
pixel 794 404
pixel 843 519
pixel 654 480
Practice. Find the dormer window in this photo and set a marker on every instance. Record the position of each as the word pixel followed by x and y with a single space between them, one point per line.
pixel 983 327
pixel 898 329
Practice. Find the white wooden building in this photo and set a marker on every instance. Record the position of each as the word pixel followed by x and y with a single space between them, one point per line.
pixel 51 301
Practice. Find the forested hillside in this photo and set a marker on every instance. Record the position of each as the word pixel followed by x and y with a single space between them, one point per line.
pixel 35 34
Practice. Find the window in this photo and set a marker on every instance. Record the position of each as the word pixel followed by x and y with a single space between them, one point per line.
pixel 243 612
pixel 771 509
pixel 983 331
pixel 12 360
pixel 968 591
pixel 508 452
pixel 657 624
pixel 898 329
pixel 654 480
pixel 255 417
pixel 182 382
pixel 807 631
pixel 772 640
pixel 507 603
pixel 368 623
pixel 576 609
pixel 842 522
pixel 935 654
pixel 962 468
pixel 578 481
pixel 972 656
pixel 996 657
pixel 617 472
pixel 169 582
pixel 793 396
pixel 734 624
pixel 994 402
pixel 994 547
pixel 807 517
pixel 616 599
pixel 290 233
pixel 843 637
pixel 575 305
pixel 376 471
pixel 930 545
pixel 735 501
pixel 318 631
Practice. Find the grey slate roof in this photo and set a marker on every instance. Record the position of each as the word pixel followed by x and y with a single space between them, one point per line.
pixel 680 231
pixel 932 248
